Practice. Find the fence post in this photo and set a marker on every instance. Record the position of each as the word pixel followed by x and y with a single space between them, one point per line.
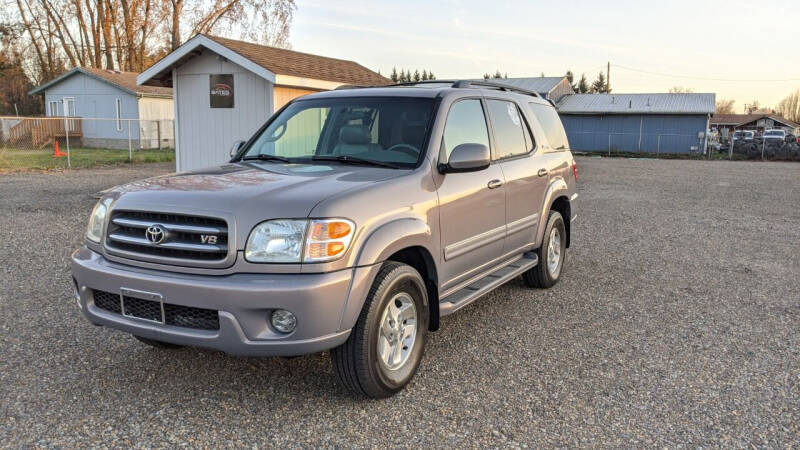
pixel 66 134
pixel 130 144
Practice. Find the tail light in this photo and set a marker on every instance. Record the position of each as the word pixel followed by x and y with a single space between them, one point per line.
pixel 575 169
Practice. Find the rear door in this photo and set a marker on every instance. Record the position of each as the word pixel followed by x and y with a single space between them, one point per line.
pixel 525 176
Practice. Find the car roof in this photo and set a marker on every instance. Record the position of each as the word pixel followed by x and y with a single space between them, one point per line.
pixel 426 90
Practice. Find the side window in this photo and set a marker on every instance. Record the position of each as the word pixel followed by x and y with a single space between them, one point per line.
pixel 118 108
pixel 551 123
pixel 466 124
pixel 509 130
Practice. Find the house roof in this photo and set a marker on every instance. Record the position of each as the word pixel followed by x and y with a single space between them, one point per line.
pixel 741 119
pixel 637 104
pixel 125 81
pixel 542 85
pixel 267 62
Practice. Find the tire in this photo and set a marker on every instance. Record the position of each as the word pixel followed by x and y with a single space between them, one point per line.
pixel 543 275
pixel 358 363
pixel 157 344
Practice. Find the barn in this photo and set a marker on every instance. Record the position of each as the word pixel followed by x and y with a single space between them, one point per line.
pixel 226 89
pixel 637 123
pixel 111 107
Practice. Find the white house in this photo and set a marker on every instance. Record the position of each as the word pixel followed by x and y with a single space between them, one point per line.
pixel 104 99
pixel 226 89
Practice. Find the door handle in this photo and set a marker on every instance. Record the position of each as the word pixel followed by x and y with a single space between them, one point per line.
pixel 542 172
pixel 494 184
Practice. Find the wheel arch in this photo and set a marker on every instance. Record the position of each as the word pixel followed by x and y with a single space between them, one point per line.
pixel 409 241
pixel 556 199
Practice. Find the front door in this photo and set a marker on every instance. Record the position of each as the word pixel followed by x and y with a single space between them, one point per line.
pixel 472 214
pixel 69 111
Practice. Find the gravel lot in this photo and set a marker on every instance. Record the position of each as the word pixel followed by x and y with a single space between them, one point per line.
pixel 676 323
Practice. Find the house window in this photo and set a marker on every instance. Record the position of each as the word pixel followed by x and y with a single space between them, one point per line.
pixel 52 108
pixel 118 103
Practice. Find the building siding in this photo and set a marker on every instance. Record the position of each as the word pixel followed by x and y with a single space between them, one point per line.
pixel 205 134
pixel 635 132
pixel 95 99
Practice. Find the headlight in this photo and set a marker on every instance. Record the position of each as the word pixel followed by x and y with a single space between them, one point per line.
pixel 294 241
pixel 94 231
pixel 276 241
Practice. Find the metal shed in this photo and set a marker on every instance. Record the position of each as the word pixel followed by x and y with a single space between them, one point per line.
pixel 637 123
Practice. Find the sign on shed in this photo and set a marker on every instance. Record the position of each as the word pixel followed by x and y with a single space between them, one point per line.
pixel 221 94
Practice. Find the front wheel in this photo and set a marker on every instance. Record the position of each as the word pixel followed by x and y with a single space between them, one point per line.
pixel 385 346
pixel 551 254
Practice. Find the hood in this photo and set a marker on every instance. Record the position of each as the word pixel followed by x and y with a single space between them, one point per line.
pixel 247 193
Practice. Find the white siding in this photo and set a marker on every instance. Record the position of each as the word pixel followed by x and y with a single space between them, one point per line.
pixel 152 108
pixel 205 134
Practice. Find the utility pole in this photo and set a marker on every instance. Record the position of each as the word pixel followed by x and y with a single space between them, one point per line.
pixel 608 77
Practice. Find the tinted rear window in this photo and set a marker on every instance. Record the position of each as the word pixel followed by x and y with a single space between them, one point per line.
pixel 551 123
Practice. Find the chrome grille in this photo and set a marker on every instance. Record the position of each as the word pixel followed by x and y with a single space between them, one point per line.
pixel 187 238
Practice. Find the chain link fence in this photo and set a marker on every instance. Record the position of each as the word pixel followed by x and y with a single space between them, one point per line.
pixel 766 146
pixel 711 146
pixel 40 143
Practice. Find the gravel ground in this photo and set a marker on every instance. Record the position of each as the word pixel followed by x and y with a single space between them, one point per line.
pixel 676 323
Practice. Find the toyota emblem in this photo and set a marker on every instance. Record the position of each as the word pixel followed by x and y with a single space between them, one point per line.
pixel 155 234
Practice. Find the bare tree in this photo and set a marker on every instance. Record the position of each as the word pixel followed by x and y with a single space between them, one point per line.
pixel 680 90
pixel 725 106
pixel 789 107
pixel 131 34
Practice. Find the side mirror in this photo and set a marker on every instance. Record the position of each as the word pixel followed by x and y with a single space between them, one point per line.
pixel 467 158
pixel 235 148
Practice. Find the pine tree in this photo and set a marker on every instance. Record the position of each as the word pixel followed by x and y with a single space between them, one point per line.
pixel 416 75
pixel 498 75
pixel 394 75
pixel 571 79
pixel 600 86
pixel 431 76
pixel 486 76
pixel 424 75
pixel 583 85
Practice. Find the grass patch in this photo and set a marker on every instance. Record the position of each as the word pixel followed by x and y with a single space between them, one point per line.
pixel 12 159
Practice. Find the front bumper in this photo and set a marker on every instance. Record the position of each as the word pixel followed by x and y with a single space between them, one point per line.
pixel 322 302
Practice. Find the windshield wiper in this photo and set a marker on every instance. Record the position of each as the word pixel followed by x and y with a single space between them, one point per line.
pixel 264 157
pixel 347 159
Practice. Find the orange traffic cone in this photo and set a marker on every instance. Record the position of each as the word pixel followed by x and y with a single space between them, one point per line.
pixel 57 153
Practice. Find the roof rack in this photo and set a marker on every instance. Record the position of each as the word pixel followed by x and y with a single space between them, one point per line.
pixel 472 83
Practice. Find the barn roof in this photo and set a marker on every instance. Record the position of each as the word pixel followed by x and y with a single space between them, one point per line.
pixel 542 85
pixel 266 62
pixel 125 81
pixel 741 119
pixel 637 104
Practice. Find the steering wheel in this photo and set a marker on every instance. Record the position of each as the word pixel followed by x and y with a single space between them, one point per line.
pixel 405 148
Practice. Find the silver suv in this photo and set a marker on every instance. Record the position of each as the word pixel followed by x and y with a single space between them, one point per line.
pixel 353 220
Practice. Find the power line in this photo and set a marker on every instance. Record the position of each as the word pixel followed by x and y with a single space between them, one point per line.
pixel 704 78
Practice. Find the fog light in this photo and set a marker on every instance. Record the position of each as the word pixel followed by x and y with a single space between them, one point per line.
pixel 283 320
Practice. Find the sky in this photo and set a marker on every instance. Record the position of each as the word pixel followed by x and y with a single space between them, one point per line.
pixel 732 48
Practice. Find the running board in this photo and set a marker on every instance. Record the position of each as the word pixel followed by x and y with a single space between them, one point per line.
pixel 488 283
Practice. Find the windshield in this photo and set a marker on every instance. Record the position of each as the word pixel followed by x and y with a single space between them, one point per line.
pixel 773 133
pixel 388 130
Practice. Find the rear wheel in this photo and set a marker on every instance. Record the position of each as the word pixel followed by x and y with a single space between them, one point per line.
pixel 157 344
pixel 385 346
pixel 551 254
